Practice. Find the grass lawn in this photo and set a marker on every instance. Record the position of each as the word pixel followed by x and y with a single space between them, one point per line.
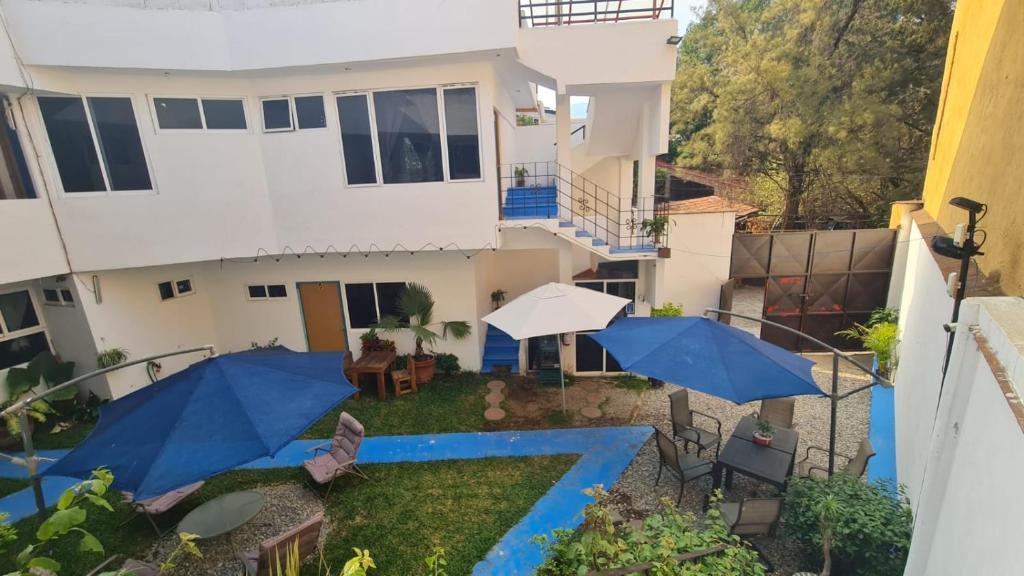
pixel 448 404
pixel 400 515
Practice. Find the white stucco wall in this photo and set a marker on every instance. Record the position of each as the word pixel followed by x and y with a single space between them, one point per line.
pixel 968 510
pixel 69 330
pixel 701 248
pixel 31 245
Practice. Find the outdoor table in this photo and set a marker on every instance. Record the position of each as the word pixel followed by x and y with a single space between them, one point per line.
pixel 376 362
pixel 771 464
pixel 222 514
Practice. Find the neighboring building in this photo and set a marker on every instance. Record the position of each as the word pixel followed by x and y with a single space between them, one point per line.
pixel 960 435
pixel 179 173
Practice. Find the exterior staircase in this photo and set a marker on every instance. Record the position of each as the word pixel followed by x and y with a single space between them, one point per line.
pixel 500 349
pixel 531 203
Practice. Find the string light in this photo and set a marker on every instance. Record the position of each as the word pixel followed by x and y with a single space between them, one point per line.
pixel 356 249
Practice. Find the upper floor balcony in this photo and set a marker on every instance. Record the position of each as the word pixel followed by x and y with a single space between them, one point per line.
pixel 542 13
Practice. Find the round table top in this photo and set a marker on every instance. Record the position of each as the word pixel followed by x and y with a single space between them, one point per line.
pixel 222 514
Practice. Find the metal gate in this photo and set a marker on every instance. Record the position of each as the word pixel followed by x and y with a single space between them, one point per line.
pixel 817 282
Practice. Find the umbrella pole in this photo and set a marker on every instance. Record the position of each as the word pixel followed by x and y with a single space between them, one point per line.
pixel 32 462
pixel 834 400
pixel 561 371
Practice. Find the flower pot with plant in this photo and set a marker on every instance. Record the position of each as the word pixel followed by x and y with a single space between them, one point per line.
pixel 655 228
pixel 417 304
pixel 521 173
pixel 497 298
pixel 879 336
pixel 764 433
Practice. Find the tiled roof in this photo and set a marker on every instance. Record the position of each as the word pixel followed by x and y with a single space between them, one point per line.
pixel 709 205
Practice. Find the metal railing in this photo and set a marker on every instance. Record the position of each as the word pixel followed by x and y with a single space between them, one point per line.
pixel 548 190
pixel 540 13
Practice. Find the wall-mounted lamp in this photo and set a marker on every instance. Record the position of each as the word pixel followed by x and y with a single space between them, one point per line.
pixel 674 40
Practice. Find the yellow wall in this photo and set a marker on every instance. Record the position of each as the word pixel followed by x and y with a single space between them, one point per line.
pixel 978 138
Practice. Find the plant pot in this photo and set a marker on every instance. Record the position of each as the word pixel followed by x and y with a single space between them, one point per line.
pixel 520 182
pixel 424 369
pixel 664 252
pixel 763 439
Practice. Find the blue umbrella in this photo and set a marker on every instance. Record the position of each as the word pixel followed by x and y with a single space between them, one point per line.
pixel 708 356
pixel 213 416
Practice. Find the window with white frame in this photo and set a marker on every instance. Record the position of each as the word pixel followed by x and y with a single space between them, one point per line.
pixel 175 288
pixel 96 143
pixel 54 296
pixel 288 113
pixel 22 334
pixel 410 136
pixel 369 302
pixel 199 114
pixel 266 291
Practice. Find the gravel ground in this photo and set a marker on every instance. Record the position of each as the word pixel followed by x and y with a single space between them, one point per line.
pixel 287 505
pixel 635 495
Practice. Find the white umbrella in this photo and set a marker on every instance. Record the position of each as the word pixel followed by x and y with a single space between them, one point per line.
pixel 556 309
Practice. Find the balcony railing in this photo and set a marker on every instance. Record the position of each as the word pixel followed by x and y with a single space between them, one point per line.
pixel 540 13
pixel 548 190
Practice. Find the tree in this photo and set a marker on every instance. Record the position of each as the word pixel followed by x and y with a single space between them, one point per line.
pixel 831 102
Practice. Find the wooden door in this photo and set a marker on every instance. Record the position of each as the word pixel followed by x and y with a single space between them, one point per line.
pixel 322 316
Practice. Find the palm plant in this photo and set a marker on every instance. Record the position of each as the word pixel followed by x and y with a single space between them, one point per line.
pixel 417 304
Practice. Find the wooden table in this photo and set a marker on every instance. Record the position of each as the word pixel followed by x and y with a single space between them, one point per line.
pixel 771 464
pixel 377 362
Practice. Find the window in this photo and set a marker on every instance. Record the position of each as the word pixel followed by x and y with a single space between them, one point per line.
pixel 175 289
pixel 622 288
pixel 277 115
pixel 293 113
pixel 357 139
pixel 309 112
pixel 58 297
pixel 267 291
pixel 22 336
pixel 462 133
pixel 398 137
pixel 96 143
pixel 200 114
pixel 15 181
pixel 369 302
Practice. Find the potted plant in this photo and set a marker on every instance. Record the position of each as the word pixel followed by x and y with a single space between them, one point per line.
pixel 879 337
pixel 497 298
pixel 655 228
pixel 764 433
pixel 417 304
pixel 372 342
pixel 521 173
pixel 113 357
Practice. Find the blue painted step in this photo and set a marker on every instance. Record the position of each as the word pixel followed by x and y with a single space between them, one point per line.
pixel 500 349
pixel 530 203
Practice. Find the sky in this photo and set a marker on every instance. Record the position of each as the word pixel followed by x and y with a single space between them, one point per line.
pixel 683 11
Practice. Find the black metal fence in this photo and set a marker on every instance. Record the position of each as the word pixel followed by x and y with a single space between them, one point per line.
pixel 548 190
pixel 538 13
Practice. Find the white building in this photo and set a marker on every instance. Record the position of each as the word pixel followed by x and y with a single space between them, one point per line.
pixel 186 172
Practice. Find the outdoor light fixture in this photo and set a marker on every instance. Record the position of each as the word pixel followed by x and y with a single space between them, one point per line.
pixel 674 40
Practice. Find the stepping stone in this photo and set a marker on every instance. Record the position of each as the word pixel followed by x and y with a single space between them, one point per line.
pixel 589 412
pixel 494 398
pixel 493 414
pixel 495 385
pixel 596 397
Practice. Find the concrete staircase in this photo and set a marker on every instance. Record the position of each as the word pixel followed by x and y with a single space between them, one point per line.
pixel 500 350
pixel 531 203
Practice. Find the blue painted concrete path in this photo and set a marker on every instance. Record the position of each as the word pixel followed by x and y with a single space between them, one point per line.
pixel 882 432
pixel 604 455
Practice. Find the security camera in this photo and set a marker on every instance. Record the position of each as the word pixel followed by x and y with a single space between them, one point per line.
pixel 949 327
pixel 967 204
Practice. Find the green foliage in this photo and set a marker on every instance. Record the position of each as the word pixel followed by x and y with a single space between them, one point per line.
pixel 46 370
pixel 765 428
pixel 869 524
pixel 497 298
pixel 655 227
pixel 632 382
pixel 668 310
pixel 186 545
pixel 359 564
pixel 69 518
pixel 436 563
pixel 879 338
pixel 417 304
pixel 524 120
pixel 371 341
pixel 447 364
pixel 884 316
pixel 826 105
pixel 113 357
pixel 599 545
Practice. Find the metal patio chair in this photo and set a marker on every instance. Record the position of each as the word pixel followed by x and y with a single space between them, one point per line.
pixel 683 427
pixel 856 465
pixel 753 517
pixel 339 454
pixel 261 562
pixel 688 468
pixel 777 411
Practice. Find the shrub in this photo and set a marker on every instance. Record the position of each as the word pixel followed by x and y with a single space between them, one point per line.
pixel 881 338
pixel 447 364
pixel 600 545
pixel 871 537
pixel 371 341
pixel 668 310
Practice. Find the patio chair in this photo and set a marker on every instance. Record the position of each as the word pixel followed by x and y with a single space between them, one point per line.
pixel 159 504
pixel 339 454
pixel 405 380
pixel 688 468
pixel 856 465
pixel 753 517
pixel 262 561
pixel 683 426
pixel 777 412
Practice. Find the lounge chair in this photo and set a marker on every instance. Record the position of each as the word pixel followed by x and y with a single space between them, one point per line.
pixel 260 562
pixel 856 465
pixel 159 504
pixel 777 412
pixel 405 380
pixel 683 425
pixel 688 468
pixel 339 454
